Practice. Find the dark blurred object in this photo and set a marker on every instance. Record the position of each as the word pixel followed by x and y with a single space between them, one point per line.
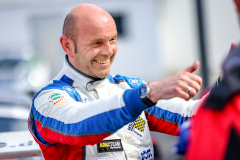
pixel 119 20
pixel 202 41
pixel 216 126
pixel 185 129
pixel 184 132
pixel 156 149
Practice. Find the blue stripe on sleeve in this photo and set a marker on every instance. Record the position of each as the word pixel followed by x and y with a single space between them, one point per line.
pixel 168 116
pixel 102 123
pixel 40 138
pixel 157 112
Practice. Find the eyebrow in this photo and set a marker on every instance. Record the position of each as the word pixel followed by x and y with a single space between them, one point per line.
pixel 100 39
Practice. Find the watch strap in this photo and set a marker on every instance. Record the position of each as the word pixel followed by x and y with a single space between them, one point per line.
pixel 148 102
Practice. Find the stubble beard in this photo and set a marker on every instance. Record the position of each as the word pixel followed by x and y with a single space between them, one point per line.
pixel 99 73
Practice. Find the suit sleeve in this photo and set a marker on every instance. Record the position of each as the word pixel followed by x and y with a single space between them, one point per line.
pixel 58 118
pixel 168 115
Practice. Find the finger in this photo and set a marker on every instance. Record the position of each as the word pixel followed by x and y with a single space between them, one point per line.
pixel 188 77
pixel 195 84
pixel 183 94
pixel 192 92
pixel 183 86
pixel 188 89
pixel 193 67
pixel 233 47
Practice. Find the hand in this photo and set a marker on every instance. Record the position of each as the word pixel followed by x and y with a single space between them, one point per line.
pixel 176 85
pixel 232 48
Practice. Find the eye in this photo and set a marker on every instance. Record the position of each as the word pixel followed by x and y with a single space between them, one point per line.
pixel 113 40
pixel 98 43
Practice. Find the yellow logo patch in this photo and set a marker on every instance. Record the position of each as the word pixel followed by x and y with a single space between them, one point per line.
pixel 136 128
pixel 104 144
pixel 110 146
pixel 139 124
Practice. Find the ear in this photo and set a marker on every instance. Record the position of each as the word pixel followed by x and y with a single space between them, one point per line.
pixel 68 46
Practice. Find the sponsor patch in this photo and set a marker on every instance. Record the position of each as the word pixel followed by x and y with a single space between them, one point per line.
pixel 135 81
pixel 137 128
pixel 86 100
pixel 69 89
pixel 54 97
pixel 110 146
pixel 57 99
pixel 146 154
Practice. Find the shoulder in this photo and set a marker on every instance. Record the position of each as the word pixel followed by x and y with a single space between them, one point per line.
pixel 58 87
pixel 132 82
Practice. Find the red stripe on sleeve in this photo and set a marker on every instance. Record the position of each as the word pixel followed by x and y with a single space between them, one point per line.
pixel 53 137
pixel 161 126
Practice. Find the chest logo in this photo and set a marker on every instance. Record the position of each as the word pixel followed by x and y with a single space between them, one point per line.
pixel 110 146
pixel 54 97
pixel 137 128
pixel 135 81
pixel 69 89
pixel 87 100
pixel 57 99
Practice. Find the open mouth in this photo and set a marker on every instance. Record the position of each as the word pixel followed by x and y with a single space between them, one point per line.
pixel 102 61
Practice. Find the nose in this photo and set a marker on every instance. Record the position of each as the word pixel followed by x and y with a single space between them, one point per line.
pixel 107 49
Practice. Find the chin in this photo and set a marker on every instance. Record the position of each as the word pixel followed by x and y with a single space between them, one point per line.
pixel 102 74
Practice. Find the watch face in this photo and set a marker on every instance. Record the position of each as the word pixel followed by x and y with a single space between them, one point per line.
pixel 143 91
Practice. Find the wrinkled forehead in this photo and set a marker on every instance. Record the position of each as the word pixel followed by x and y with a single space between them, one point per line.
pixel 98 25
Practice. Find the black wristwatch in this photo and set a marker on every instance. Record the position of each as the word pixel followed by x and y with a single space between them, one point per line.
pixel 144 91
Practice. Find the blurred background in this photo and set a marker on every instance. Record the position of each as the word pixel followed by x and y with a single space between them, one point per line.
pixel 156 38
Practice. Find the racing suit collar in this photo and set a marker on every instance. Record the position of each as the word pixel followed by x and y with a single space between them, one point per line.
pixel 83 74
pixel 90 82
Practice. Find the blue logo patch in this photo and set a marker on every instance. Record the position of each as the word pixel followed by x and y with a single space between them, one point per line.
pixel 135 81
pixel 146 154
pixel 69 89
pixel 86 100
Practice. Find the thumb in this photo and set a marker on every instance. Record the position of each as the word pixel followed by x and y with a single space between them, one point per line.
pixel 233 47
pixel 193 67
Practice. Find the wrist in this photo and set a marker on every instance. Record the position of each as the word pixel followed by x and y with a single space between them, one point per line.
pixel 144 95
pixel 151 94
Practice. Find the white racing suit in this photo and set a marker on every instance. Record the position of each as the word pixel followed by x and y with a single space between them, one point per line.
pixel 78 117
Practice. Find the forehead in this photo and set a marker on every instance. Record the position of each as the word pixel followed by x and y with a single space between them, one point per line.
pixel 103 28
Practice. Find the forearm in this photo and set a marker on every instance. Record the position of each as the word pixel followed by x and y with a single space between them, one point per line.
pixel 86 123
pixel 168 115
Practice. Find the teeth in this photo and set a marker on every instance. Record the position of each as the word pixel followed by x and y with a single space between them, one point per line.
pixel 101 61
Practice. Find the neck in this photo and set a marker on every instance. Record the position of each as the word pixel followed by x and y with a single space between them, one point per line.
pixel 83 74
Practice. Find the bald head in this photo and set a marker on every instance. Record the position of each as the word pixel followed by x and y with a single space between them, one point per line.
pixel 90 40
pixel 82 17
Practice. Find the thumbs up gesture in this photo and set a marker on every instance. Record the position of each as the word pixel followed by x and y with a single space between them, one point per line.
pixel 183 84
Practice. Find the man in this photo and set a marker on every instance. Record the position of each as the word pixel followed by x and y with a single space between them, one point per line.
pixel 86 113
pixel 215 130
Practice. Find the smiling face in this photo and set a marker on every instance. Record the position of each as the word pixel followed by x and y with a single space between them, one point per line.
pixel 96 49
pixel 95 41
